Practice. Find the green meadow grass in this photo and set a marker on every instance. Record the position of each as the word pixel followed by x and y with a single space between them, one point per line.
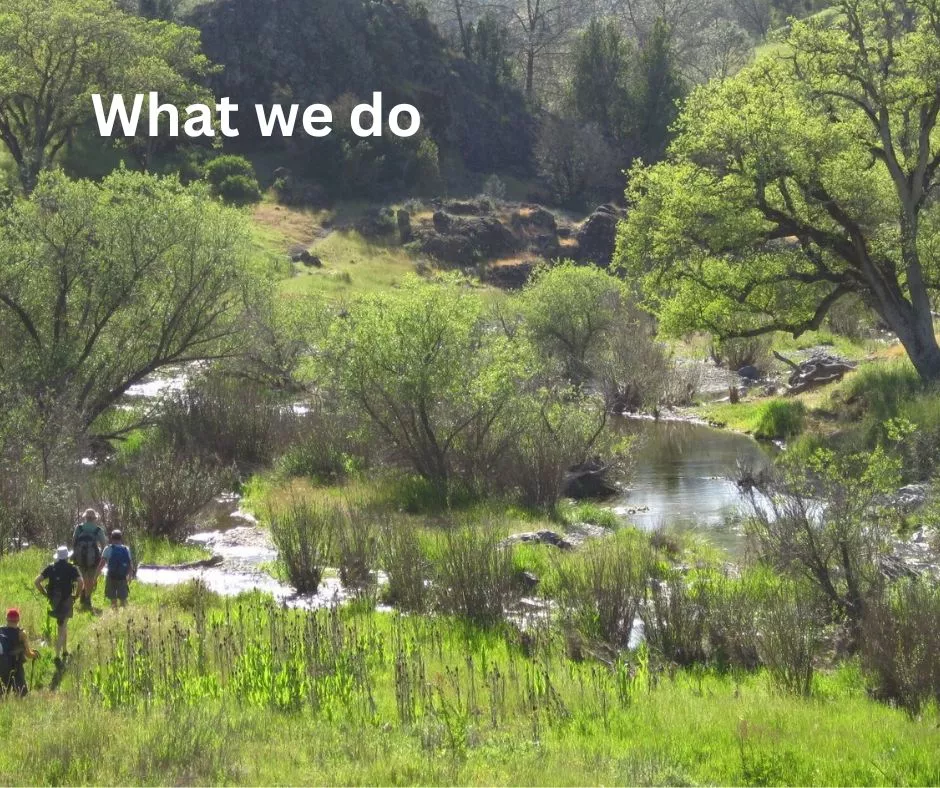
pixel 186 688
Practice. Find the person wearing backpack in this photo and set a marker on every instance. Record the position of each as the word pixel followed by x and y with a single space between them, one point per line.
pixel 63 584
pixel 117 558
pixel 14 651
pixel 88 543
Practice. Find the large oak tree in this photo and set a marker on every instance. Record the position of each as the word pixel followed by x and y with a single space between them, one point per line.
pixel 55 53
pixel 810 176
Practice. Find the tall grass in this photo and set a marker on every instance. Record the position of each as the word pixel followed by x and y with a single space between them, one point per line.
pixel 305 532
pixel 901 644
pixel 603 586
pixel 473 574
pixel 779 419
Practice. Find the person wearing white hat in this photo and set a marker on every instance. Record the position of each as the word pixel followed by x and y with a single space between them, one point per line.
pixel 63 584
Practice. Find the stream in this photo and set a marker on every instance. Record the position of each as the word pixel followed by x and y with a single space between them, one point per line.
pixel 683 477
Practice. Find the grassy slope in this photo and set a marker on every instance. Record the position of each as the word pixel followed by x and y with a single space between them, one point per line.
pixel 554 722
pixel 351 264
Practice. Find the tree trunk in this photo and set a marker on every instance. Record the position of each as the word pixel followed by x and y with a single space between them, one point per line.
pixel 918 338
pixel 529 73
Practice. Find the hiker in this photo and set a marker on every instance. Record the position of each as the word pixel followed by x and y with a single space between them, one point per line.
pixel 88 542
pixel 14 651
pixel 63 585
pixel 117 557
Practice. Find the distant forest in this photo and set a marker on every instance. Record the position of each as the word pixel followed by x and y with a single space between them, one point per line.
pixel 561 94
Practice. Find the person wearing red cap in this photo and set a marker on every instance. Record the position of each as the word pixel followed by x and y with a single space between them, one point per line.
pixel 14 651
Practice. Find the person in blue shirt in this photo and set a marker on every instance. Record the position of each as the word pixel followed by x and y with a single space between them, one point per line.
pixel 117 558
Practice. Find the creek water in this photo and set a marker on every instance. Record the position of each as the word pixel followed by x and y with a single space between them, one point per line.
pixel 682 477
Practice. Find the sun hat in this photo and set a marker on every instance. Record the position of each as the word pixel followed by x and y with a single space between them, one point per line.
pixel 61 553
pixel 90 515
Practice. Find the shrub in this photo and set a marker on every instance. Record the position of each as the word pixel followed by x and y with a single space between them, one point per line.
pixel 733 607
pixel 233 179
pixel 494 187
pixel 901 644
pixel 406 565
pixel 603 585
pixel 779 419
pixel 358 547
pixel 157 491
pixel 553 431
pixel 736 352
pixel 473 575
pixel 328 447
pixel 789 638
pixel 837 547
pixel 879 390
pixel 674 623
pixel 227 421
pixel 304 533
pixel 240 190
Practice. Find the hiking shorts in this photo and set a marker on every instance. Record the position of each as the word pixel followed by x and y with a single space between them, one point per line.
pixel 61 609
pixel 116 588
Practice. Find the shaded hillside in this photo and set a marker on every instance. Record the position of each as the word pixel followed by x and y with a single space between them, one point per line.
pixel 294 51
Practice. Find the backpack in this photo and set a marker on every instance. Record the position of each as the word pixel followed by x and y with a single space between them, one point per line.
pixel 86 553
pixel 9 659
pixel 119 561
pixel 61 580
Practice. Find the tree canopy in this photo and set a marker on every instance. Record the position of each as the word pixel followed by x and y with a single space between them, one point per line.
pixel 809 176
pixel 102 284
pixel 55 53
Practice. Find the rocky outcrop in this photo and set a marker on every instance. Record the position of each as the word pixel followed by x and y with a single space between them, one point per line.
pixel 509 276
pixel 468 241
pixel 598 236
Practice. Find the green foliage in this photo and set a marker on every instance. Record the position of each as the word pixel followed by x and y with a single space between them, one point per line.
pixel 305 532
pixel 582 320
pixel 49 69
pixel 901 647
pixel 780 419
pixel 432 378
pixel 233 179
pixel 602 587
pixel 106 283
pixel 473 575
pixel 836 548
pixel 783 150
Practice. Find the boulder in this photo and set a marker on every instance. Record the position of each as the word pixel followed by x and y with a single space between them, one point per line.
pixel 465 208
pixel 442 222
pixel 468 241
pixel 538 537
pixel 534 218
pixel 749 372
pixel 818 370
pixel 306 258
pixel 598 236
pixel 509 276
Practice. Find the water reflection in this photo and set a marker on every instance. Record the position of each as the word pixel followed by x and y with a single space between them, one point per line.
pixel 682 476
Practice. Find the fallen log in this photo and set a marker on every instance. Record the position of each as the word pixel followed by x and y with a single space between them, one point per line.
pixel 814 372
